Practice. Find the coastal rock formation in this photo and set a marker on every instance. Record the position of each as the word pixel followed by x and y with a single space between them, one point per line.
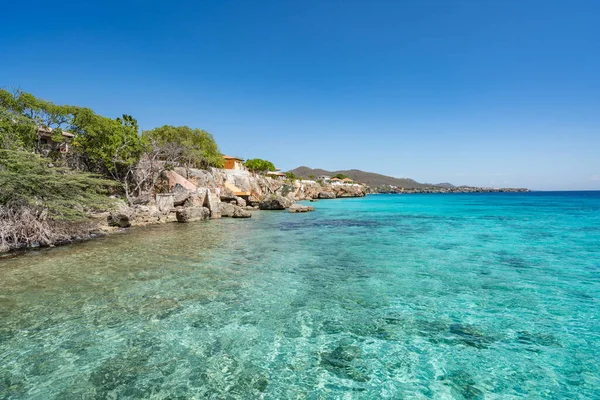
pixel 326 195
pixel 298 208
pixel 227 209
pixel 241 213
pixel 275 202
pixel 180 195
pixel 191 214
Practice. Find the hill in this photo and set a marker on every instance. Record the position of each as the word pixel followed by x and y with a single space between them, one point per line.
pixel 368 178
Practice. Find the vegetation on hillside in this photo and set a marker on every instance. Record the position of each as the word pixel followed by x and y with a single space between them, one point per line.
pixel 259 165
pixel 37 198
pixel 46 195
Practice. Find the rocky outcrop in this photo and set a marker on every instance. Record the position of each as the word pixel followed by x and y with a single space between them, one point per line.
pixel 241 213
pixel 191 214
pixel 252 201
pixel 299 208
pixel 275 202
pixel 326 195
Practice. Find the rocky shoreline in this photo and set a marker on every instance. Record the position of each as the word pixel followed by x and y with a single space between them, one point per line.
pixel 191 195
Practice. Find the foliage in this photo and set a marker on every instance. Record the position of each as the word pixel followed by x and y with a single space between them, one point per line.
pixel 28 180
pixel 190 147
pixel 111 146
pixel 20 115
pixel 341 176
pixel 291 176
pixel 259 165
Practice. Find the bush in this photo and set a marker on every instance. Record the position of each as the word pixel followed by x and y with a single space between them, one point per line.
pixel 28 180
pixel 259 165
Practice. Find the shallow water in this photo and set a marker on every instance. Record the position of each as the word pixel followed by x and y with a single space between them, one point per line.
pixel 474 296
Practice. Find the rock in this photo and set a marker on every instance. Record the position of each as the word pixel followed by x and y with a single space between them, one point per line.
pixel 120 217
pixel 142 199
pixel 297 208
pixel 313 200
pixel 275 202
pixel 240 202
pixel 164 201
pixel 180 195
pixel 226 209
pixel 197 199
pixel 191 214
pixel 326 195
pixel 241 213
pixel 211 201
pixel 252 201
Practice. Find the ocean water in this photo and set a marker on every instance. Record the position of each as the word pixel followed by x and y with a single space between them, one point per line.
pixel 474 296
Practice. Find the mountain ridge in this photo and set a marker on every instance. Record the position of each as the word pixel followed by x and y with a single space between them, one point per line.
pixel 371 179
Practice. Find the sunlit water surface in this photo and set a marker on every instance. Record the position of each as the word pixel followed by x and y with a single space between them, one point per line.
pixel 417 296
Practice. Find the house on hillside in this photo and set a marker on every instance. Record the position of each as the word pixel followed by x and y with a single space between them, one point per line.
pixel 277 174
pixel 324 178
pixel 335 181
pixel 347 181
pixel 234 163
pixel 48 144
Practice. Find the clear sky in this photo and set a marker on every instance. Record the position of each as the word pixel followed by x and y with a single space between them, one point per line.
pixel 479 92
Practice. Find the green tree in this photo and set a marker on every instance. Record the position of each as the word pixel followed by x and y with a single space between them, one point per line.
pixel 341 176
pixel 189 147
pixel 110 146
pixel 21 114
pixel 259 165
pixel 291 176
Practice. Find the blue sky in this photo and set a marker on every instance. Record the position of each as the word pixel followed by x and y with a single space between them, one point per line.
pixel 491 93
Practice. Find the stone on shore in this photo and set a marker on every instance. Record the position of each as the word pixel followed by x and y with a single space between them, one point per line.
pixel 191 214
pixel 180 195
pixel 211 201
pixel 299 208
pixel 226 209
pixel 326 195
pixel 241 213
pixel 275 202
pixel 252 201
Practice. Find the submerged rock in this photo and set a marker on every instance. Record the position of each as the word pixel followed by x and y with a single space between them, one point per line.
pixel 298 208
pixel 344 361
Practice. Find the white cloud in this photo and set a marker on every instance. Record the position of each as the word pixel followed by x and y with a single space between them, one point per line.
pixel 595 178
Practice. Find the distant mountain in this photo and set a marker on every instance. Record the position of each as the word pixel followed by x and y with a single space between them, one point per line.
pixel 368 178
pixel 445 185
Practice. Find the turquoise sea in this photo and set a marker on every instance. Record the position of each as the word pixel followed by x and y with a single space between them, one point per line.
pixel 454 296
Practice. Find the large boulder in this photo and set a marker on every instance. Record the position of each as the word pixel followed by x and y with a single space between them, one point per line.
pixel 191 214
pixel 275 202
pixel 226 209
pixel 211 201
pixel 197 199
pixel 298 208
pixel 240 213
pixel 180 195
pixel 326 195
